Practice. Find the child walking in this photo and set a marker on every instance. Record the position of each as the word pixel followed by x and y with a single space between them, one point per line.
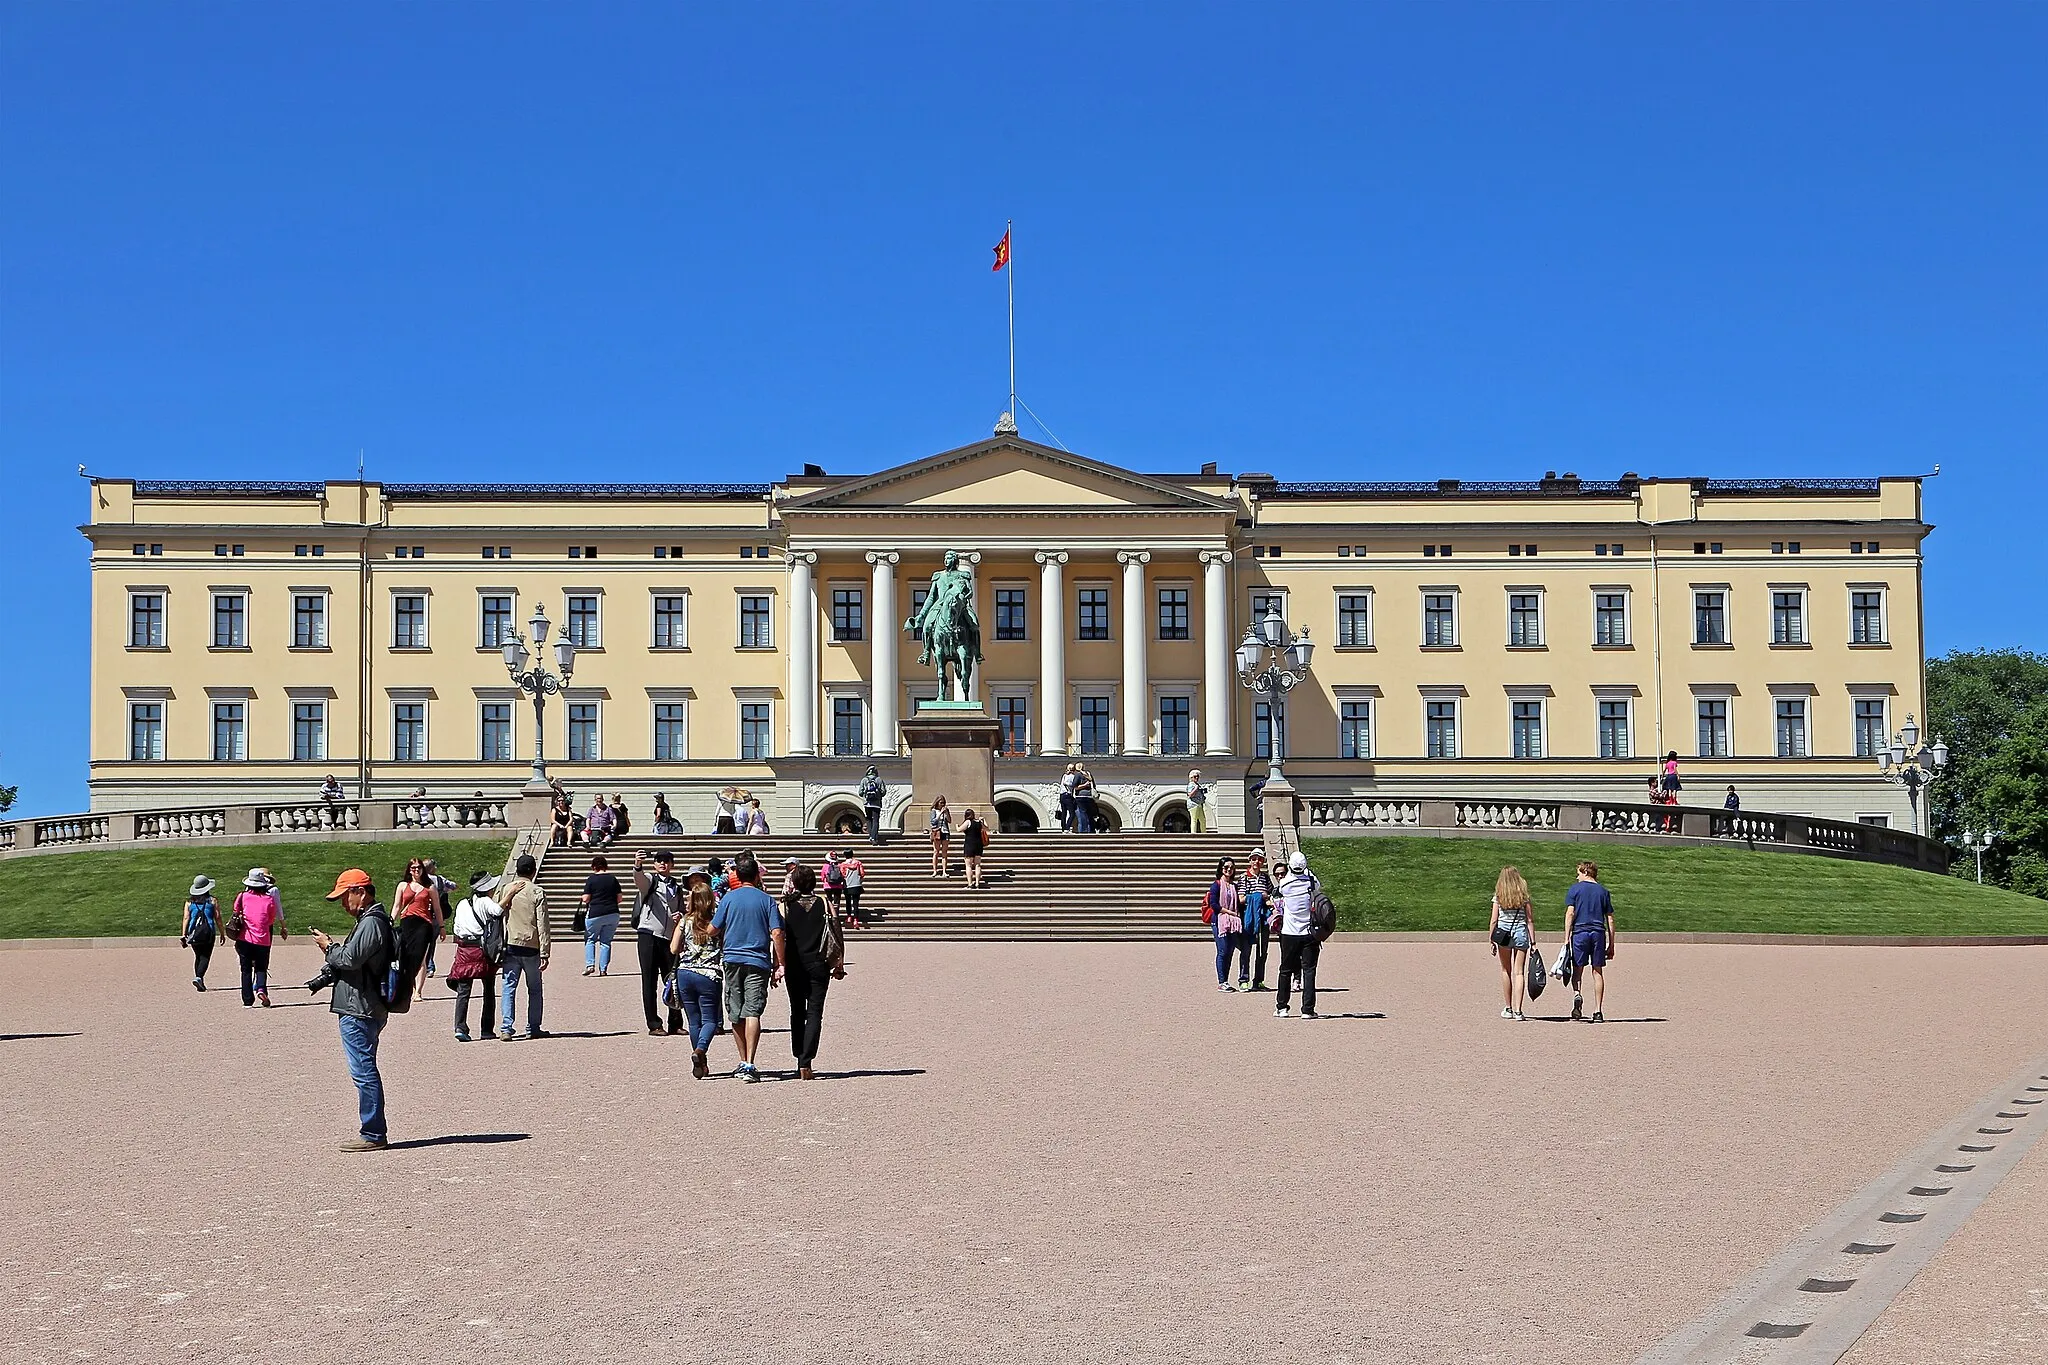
pixel 201 927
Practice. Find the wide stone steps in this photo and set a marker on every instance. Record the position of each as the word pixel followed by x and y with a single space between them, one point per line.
pixel 1137 886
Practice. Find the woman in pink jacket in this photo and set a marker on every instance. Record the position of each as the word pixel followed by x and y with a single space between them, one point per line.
pixel 257 917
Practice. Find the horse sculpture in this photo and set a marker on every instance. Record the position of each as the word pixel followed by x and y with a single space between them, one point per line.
pixel 951 632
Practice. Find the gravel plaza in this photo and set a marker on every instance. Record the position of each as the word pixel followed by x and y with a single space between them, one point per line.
pixel 1014 1152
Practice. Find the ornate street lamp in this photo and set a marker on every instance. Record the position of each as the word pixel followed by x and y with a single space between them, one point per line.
pixel 1911 765
pixel 1977 842
pixel 1285 668
pixel 537 682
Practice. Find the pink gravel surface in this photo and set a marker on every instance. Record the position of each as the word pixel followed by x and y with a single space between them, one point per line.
pixel 1022 1152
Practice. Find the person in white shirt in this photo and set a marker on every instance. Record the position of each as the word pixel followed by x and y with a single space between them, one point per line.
pixel 471 964
pixel 1198 803
pixel 1299 946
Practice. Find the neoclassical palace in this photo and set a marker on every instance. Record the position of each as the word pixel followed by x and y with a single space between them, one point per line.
pixel 1519 639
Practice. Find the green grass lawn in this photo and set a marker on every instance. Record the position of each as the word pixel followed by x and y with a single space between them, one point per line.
pixel 1441 884
pixel 142 892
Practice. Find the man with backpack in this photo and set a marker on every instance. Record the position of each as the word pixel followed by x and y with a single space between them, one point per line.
pixel 1302 931
pixel 359 966
pixel 872 790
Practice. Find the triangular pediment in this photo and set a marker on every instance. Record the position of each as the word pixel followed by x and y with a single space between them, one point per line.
pixel 1009 474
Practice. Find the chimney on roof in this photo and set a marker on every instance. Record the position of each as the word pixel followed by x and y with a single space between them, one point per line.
pixel 813 471
pixel 1208 466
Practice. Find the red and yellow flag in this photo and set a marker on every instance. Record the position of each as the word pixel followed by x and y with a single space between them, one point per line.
pixel 1002 251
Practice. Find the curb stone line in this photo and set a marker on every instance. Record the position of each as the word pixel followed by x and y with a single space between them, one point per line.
pixel 1793 1301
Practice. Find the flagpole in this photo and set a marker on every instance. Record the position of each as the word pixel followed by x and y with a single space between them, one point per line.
pixel 1010 269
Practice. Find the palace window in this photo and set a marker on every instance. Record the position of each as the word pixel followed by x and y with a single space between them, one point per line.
pixel 1440 722
pixel 146 731
pixel 1013 714
pixel 1791 727
pixel 230 621
pixel 1525 620
pixel 1012 621
pixel 146 620
pixel 1175 725
pixel 309 730
pixel 309 620
pixel 1610 618
pixel 497 621
pixel 756 628
pixel 1439 619
pixel 408 622
pixel 1354 620
pixel 1870 727
pixel 671 628
pixel 409 732
pixel 1866 618
pixel 1710 618
pixel 918 597
pixel 1527 737
pixel 1173 613
pixel 1094 614
pixel 1712 717
pixel 1269 726
pixel 581 624
pixel 583 732
pixel 849 739
pixel 754 732
pixel 1788 618
pixel 230 732
pixel 495 740
pixel 1094 717
pixel 848 617
pixel 1614 741
pixel 671 732
pixel 1354 729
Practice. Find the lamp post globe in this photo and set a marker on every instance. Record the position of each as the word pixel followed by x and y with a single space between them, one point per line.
pixel 1270 664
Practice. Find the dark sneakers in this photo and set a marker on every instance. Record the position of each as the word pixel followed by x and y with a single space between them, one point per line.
pixel 363 1144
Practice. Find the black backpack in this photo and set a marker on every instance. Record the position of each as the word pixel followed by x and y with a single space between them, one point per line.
pixel 1322 913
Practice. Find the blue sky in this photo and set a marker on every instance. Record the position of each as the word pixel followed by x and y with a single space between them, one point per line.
pixel 657 242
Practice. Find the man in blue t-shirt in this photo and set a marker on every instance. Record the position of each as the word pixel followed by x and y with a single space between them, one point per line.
pixel 1589 921
pixel 748 927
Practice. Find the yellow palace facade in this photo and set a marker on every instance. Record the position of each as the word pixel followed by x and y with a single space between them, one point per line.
pixel 1552 638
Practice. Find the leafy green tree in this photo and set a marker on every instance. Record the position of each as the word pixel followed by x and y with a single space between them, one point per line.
pixel 7 795
pixel 1991 706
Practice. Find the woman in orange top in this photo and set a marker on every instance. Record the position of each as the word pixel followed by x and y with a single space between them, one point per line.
pixel 418 903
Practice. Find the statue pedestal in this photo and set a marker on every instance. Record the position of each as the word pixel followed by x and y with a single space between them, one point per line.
pixel 952 754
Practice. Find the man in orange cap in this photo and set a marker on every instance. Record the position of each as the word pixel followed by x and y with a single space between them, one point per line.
pixel 360 965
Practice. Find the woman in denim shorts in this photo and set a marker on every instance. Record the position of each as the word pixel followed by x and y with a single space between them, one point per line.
pixel 1509 931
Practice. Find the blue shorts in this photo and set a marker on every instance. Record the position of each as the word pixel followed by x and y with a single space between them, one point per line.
pixel 1589 949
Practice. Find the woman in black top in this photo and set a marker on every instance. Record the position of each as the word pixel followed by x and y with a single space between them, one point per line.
pixel 973 842
pixel 814 953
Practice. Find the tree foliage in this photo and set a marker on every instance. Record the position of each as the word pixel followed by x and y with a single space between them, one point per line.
pixel 7 795
pixel 1991 706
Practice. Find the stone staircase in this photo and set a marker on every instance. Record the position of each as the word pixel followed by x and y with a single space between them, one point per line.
pixel 1137 886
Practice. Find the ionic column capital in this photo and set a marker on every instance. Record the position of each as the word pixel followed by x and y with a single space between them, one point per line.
pixel 1215 557
pixel 1128 557
pixel 1050 556
pixel 803 557
pixel 969 556
pixel 883 556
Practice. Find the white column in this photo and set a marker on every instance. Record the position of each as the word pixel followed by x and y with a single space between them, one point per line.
pixel 803 653
pixel 883 644
pixel 1137 736
pixel 1218 690
pixel 1052 653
